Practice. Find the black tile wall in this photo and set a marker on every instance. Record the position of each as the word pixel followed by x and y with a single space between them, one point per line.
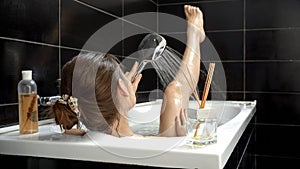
pixel 272 13
pixel 44 35
pixel 228 95
pixel 279 44
pixel 277 108
pixel 132 42
pixel 168 2
pixel 233 73
pixel 217 16
pixel 111 7
pixel 272 145
pixel 273 76
pixel 276 162
pixel 241 156
pixel 80 22
pixel 255 41
pixel 8 114
pixel 229 46
pixel 18 56
pixel 67 55
pixel 31 20
pixel 176 41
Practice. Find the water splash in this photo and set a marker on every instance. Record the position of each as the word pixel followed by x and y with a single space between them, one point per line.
pixel 167 66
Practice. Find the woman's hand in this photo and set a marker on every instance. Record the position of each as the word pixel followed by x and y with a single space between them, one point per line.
pixel 180 123
pixel 130 74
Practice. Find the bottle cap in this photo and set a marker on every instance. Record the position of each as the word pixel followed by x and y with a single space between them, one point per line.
pixel 27 74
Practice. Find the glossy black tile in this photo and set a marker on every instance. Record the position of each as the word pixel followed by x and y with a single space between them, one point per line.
pixel 213 95
pixel 142 13
pixel 81 25
pixel 8 114
pixel 232 162
pixel 241 157
pixel 149 80
pixel 228 45
pixel 177 42
pixel 246 141
pixel 272 13
pixel 220 20
pixel 273 76
pixel 131 43
pixel 274 108
pixel 171 18
pixel 228 76
pixel 239 96
pixel 271 141
pixel 17 56
pixel 114 7
pixel 169 2
pixel 117 49
pixel 248 161
pixel 263 162
pixel 137 6
pixel 67 55
pixel 223 18
pixel 273 44
pixel 30 20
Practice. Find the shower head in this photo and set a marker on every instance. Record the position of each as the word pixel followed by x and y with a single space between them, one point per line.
pixel 150 49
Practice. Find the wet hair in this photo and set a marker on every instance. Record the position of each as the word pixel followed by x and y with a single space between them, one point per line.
pixel 89 77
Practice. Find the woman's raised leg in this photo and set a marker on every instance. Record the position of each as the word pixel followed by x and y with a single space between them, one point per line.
pixel 178 92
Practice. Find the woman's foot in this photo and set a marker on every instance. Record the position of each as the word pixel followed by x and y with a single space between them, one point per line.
pixel 194 18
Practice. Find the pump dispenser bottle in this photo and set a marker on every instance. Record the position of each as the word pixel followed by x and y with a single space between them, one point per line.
pixel 28 105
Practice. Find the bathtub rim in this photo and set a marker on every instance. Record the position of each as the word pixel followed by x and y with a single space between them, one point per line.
pixel 214 156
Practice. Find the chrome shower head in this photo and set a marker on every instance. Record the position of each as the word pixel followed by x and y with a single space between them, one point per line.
pixel 150 49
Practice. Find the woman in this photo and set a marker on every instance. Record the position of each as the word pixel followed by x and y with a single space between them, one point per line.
pixel 105 94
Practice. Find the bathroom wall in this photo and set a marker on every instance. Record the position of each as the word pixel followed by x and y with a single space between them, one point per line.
pixel 258 45
pixel 256 40
pixel 44 35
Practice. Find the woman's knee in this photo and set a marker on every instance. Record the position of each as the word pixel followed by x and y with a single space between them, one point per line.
pixel 173 90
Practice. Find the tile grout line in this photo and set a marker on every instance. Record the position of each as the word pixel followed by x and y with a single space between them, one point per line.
pixel 244 51
pixel 204 1
pixel 157 18
pixel 8 104
pixel 276 124
pixel 39 43
pixel 59 39
pixel 112 15
pixel 153 2
pixel 28 41
pixel 77 49
pixel 239 30
pixel 95 8
pixel 244 151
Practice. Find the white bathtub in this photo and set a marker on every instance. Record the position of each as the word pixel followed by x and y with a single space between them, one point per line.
pixel 234 116
pixel 144 118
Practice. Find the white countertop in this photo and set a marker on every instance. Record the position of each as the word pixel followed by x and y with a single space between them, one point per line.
pixel 155 151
